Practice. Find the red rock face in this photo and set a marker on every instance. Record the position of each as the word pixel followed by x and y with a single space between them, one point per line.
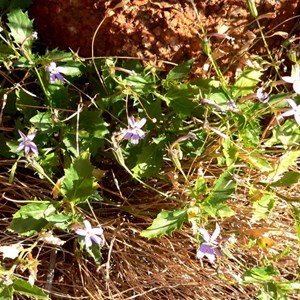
pixel 170 30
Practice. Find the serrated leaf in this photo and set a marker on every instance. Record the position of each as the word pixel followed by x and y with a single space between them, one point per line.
pixel 6 292
pixel 246 83
pixel 149 161
pixel 182 99
pixel 259 274
pixel 289 286
pixel 257 161
pixel 222 189
pixel 24 288
pixel 263 207
pixel 285 161
pixel 165 223
pixel 230 152
pixel 31 218
pixel 218 210
pixel 180 72
pixel 20 26
pixel 269 291
pixel 287 134
pixel 288 179
pixel 79 183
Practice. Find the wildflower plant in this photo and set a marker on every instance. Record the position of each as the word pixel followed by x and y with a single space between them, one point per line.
pixel 209 153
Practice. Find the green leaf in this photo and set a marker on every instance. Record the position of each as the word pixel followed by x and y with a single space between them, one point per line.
pixel 182 99
pixel 24 288
pixel 31 218
pixel 180 72
pixel 199 189
pixel 42 121
pixel 165 223
pixel 287 134
pixel 6 292
pixel 230 152
pixel 263 207
pixel 257 161
pixel 25 103
pixel 20 26
pixel 288 179
pixel 246 83
pixel 260 274
pixel 149 161
pixel 285 161
pixel 79 183
pixel 269 291
pixel 221 191
pixel 289 286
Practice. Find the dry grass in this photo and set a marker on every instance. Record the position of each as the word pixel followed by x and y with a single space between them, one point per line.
pixel 136 268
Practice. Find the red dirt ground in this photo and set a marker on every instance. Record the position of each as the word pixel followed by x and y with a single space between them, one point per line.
pixel 162 30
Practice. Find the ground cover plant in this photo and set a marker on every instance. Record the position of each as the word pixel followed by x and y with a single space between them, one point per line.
pixel 121 181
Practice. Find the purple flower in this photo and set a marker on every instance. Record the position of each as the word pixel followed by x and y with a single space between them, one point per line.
pixel 294 79
pixel 295 111
pixel 262 96
pixel 135 132
pixel 27 143
pixel 209 247
pixel 90 234
pixel 55 72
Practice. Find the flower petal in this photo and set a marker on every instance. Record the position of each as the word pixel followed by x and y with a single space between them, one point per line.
pixel 296 86
pixel 288 113
pixel 140 123
pixel 131 122
pixel 211 257
pixel 135 139
pixel 288 79
pixel 87 225
pixel 204 234
pixel 20 147
pixel 97 230
pixel 216 233
pixel 96 239
pixel 34 149
pixel 292 103
pixel 81 232
pixel 297 118
pixel 202 250
pixel 88 241
pixel 31 136
pixel 59 77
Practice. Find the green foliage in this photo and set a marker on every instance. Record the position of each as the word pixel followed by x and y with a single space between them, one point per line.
pixel 31 218
pixel 221 191
pixel 246 83
pixel 81 127
pixel 78 182
pixel 21 27
pixel 165 223
pixel 24 288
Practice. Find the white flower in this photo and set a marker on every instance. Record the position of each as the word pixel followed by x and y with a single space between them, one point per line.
pixel 295 111
pixel 90 234
pixel 294 79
